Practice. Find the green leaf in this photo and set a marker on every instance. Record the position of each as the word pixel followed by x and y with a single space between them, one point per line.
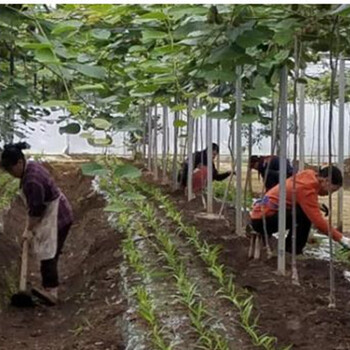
pixel 284 36
pixel 100 142
pixel 249 118
pixel 86 135
pixel 225 54
pixel 101 124
pixel 90 87
pixel 179 123
pixel 166 49
pixel 101 34
pixel 96 72
pixel 150 34
pixel 127 171
pixel 93 169
pixel 116 208
pixel 55 103
pixel 75 109
pixel 198 112
pixel 233 33
pixel 35 46
pixel 179 107
pixel 212 75
pixel 253 37
pixel 218 115
pixel 252 103
pixel 66 26
pixel 164 79
pixel 154 15
pixel 281 56
pixel 260 88
pixel 133 196
pixel 46 56
pixel 145 90
pixel 72 128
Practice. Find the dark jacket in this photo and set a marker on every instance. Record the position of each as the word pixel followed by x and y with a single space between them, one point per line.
pixel 272 165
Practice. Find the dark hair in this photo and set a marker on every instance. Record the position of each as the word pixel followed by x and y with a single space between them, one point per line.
pixel 336 175
pixel 254 159
pixel 12 153
pixel 215 147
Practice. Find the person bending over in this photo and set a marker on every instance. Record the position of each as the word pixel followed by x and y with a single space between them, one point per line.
pixel 309 185
pixel 200 170
pixel 269 166
pixel 49 213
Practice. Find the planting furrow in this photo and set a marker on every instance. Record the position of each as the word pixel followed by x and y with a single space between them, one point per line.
pixel 213 311
pixel 242 300
pixel 157 297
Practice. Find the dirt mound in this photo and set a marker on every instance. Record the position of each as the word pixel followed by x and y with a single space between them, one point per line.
pixel 91 304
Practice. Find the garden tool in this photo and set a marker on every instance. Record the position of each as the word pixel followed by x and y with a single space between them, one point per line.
pixel 23 298
pixel 255 246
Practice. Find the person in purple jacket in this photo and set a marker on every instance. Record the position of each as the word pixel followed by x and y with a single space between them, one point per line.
pixel 49 217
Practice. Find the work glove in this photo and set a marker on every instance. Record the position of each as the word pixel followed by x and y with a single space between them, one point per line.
pixel 325 209
pixel 345 242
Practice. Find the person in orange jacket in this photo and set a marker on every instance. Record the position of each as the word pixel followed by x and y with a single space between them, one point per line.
pixel 309 185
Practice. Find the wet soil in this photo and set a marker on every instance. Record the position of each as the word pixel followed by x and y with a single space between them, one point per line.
pixel 91 305
pixel 297 315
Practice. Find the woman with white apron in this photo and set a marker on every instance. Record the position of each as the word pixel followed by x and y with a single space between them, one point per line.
pixel 49 213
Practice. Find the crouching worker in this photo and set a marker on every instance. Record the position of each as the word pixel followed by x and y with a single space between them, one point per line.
pixel 49 214
pixel 268 168
pixel 309 185
pixel 200 170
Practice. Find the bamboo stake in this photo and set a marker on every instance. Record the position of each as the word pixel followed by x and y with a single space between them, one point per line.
pixel 165 142
pixel 297 53
pixel 319 134
pixel 341 140
pixel 218 140
pixel 334 67
pixel 155 144
pixel 189 149
pixel 302 125
pixel 176 133
pixel 282 173
pixel 238 151
pixel 149 157
pixel 210 165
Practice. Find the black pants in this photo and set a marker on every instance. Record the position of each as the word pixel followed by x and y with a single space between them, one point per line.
pixel 302 229
pixel 49 268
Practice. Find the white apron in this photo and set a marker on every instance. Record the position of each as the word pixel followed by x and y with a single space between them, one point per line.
pixel 45 232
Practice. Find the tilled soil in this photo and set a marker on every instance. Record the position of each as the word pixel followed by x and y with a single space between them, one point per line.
pixel 90 306
pixel 297 315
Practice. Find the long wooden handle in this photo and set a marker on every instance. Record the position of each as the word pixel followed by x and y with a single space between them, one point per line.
pixel 24 267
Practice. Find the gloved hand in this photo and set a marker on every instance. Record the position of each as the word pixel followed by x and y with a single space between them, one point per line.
pixel 325 209
pixel 345 242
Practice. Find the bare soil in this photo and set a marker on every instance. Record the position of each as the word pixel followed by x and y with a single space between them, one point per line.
pixel 87 316
pixel 297 315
